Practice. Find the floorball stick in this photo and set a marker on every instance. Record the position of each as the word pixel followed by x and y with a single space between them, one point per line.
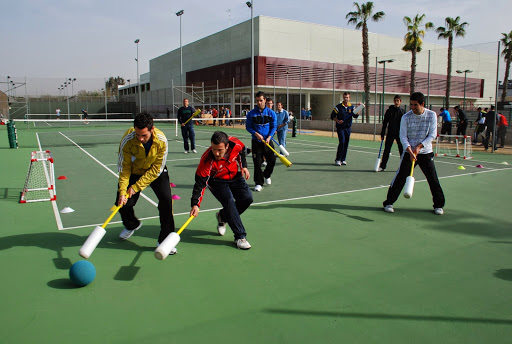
pixel 95 237
pixel 198 111
pixel 281 147
pixel 163 250
pixel 377 162
pixel 285 161
pixel 409 183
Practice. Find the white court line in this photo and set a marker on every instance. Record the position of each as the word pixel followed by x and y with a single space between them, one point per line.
pixel 105 167
pixel 54 203
pixel 307 197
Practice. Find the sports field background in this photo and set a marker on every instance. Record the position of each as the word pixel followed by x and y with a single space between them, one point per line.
pixel 327 263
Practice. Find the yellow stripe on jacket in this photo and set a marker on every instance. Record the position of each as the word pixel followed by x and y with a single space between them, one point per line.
pixel 133 160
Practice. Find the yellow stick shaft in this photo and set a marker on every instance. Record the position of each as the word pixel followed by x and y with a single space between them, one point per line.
pixel 194 115
pixel 111 216
pixel 412 167
pixel 185 225
pixel 273 150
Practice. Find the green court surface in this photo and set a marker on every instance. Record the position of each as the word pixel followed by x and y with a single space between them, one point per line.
pixel 327 265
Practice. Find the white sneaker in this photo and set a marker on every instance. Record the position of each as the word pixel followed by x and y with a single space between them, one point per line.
pixel 258 188
pixel 243 244
pixel 221 226
pixel 173 251
pixel 268 181
pixel 264 164
pixel 389 208
pixel 186 152
pixel 343 162
pixel 381 169
pixel 337 163
pixel 127 233
pixel 193 150
pixel 438 211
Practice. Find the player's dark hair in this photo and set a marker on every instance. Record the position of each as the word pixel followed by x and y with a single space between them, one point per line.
pixel 442 109
pixel 397 97
pixel 220 137
pixel 419 97
pixel 143 120
pixel 346 93
pixel 492 107
pixel 260 94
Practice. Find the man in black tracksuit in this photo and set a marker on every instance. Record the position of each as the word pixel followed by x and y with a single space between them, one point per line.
pixel 463 121
pixel 392 120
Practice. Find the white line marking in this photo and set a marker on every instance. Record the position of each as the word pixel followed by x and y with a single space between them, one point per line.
pixel 306 197
pixel 105 167
pixel 54 203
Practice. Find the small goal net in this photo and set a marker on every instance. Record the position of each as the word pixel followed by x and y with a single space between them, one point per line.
pixel 454 145
pixel 40 182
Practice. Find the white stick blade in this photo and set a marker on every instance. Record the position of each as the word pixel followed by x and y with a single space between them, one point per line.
pixel 163 250
pixel 377 164
pixel 92 241
pixel 283 150
pixel 358 109
pixel 409 187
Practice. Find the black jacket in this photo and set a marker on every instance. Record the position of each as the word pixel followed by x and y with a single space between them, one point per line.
pixel 392 119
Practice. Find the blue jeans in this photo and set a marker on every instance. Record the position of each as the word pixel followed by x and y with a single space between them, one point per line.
pixel 235 197
pixel 188 133
pixel 343 138
pixel 281 136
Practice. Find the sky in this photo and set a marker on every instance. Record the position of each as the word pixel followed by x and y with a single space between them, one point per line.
pixel 95 39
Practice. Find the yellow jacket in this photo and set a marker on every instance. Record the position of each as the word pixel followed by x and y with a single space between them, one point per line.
pixel 133 160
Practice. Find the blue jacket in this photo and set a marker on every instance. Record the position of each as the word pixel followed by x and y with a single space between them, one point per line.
pixel 446 116
pixel 345 114
pixel 282 118
pixel 261 122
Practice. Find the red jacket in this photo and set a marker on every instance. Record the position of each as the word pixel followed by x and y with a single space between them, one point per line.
pixel 502 122
pixel 225 169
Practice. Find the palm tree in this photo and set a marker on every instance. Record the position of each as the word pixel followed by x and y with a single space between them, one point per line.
pixel 112 85
pixel 360 19
pixel 453 27
pixel 414 42
pixel 507 54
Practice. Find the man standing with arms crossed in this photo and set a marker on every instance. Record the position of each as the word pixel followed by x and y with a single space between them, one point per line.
pixel 418 129
pixel 187 130
pixel 261 123
pixel 142 157
pixel 392 120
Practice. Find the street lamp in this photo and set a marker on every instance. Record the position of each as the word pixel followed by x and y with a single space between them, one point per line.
pixel 251 6
pixel 179 14
pixel 465 77
pixel 105 94
pixel 383 62
pixel 287 94
pixel 138 75
pixel 72 81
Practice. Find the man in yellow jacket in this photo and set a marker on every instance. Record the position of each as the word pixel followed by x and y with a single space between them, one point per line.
pixel 142 157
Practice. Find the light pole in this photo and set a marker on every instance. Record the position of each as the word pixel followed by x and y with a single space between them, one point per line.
pixel 383 62
pixel 105 93
pixel 138 76
pixel 72 81
pixel 465 78
pixel 67 97
pixel 251 6
pixel 179 14
pixel 287 94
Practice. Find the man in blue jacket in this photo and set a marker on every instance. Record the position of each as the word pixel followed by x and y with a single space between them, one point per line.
pixel 261 123
pixel 342 114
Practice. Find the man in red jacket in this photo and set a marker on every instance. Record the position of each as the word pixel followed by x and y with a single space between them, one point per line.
pixel 223 169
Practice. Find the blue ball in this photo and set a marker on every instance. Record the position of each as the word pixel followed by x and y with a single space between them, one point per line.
pixel 82 273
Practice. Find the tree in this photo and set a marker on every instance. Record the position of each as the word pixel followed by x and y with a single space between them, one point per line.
pixel 414 42
pixel 360 19
pixel 507 54
pixel 453 28
pixel 112 85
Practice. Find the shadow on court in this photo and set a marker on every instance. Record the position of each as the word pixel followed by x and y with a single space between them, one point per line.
pixel 385 316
